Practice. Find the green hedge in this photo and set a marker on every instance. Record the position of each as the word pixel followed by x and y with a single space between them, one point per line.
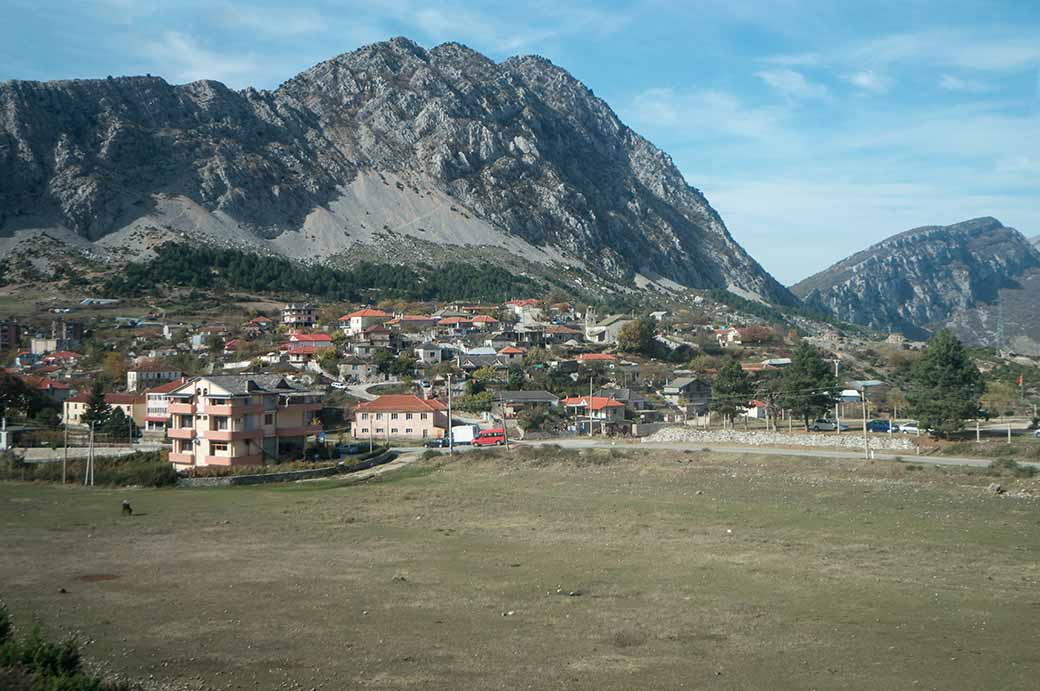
pixel 148 469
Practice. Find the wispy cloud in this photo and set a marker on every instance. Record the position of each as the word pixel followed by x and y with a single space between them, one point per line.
pixel 185 60
pixel 950 82
pixel 793 84
pixel 708 113
pixel 868 80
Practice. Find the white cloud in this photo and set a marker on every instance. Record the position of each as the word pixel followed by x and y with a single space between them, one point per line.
pixel 868 80
pixel 185 60
pixel 949 82
pixel 706 114
pixel 793 84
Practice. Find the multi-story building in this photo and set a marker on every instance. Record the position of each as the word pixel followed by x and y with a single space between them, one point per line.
pixel 604 414
pixel 400 416
pixel 300 314
pixel 9 333
pixel 146 375
pixel 243 419
pixel 132 405
pixel 67 330
pixel 157 406
pixel 356 322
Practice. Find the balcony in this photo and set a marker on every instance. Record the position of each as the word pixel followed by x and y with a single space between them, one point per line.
pixel 182 458
pixel 232 435
pixel 311 406
pixel 231 409
pixel 298 431
pixel 253 459
pixel 181 408
pixel 180 433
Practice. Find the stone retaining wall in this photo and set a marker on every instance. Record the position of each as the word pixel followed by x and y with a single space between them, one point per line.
pixel 845 440
pixel 287 476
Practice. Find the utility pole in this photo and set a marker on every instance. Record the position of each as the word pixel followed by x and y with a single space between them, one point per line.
pixel 588 408
pixel 451 437
pixel 837 418
pixel 90 459
pixel 866 437
pixel 65 456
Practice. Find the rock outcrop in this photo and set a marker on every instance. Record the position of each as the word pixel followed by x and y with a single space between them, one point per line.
pixel 931 277
pixel 390 146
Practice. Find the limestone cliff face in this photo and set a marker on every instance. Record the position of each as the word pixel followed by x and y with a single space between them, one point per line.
pixel 925 277
pixel 520 147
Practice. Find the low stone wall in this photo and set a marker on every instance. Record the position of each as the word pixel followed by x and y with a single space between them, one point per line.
pixel 52 454
pixel 287 476
pixel 845 440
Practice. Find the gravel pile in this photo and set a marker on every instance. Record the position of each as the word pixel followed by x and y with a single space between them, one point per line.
pixel 895 442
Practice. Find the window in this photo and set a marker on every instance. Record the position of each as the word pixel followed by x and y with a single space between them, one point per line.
pixel 422 416
pixel 379 416
pixel 364 416
pixel 185 422
pixel 393 416
pixel 407 416
pixel 218 447
pixel 407 430
pixel 220 422
pixel 379 430
pixel 268 418
pixel 393 431
pixel 364 430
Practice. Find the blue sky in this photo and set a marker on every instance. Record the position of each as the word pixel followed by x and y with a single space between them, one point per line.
pixel 815 128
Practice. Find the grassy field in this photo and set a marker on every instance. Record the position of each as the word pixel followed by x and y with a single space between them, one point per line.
pixel 590 571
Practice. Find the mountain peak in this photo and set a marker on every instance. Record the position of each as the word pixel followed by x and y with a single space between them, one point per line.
pixel 382 149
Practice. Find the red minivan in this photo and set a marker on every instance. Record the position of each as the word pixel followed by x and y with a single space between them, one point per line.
pixel 490 437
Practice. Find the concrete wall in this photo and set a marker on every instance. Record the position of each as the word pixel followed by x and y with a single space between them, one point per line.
pixel 287 476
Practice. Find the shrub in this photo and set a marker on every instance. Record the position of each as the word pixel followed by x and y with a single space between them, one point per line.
pixel 1009 466
pixel 147 469
pixel 5 625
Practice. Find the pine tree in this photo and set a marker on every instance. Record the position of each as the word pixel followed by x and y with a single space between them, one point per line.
pixel 98 410
pixel 945 386
pixel 809 387
pixel 118 425
pixel 731 390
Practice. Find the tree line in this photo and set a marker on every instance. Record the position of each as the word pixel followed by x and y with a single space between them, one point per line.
pixel 210 268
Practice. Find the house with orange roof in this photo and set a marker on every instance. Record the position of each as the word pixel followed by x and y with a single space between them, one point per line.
pixel 511 354
pixel 599 411
pixel 411 322
pixel 54 389
pixel 359 320
pixel 484 321
pixel 596 358
pixel 400 416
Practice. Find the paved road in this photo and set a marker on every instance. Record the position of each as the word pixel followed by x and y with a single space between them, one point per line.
pixel 361 390
pixel 768 451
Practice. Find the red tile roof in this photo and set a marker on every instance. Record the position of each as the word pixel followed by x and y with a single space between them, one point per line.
pixel 484 319
pixel 43 383
pixel 365 312
pixel 512 350
pixel 524 303
pixel 167 387
pixel 596 357
pixel 454 321
pixel 311 338
pixel 111 398
pixel 401 403
pixel 598 402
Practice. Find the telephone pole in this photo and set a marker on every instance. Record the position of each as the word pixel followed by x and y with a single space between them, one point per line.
pixel 65 456
pixel 451 439
pixel 866 437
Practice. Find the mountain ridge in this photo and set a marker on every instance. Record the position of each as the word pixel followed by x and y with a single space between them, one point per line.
pixel 390 149
pixel 931 277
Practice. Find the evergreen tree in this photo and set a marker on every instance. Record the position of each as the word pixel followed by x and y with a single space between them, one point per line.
pixel 118 425
pixel 945 386
pixel 97 409
pixel 731 390
pixel 809 387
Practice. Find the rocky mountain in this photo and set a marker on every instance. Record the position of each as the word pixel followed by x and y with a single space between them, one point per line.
pixel 1036 241
pixel 960 276
pixel 390 151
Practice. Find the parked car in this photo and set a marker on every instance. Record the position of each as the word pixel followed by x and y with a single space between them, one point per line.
pixel 338 385
pixel 490 437
pixel 348 449
pixel 882 426
pixel 1037 434
pixel 436 443
pixel 910 428
pixel 824 425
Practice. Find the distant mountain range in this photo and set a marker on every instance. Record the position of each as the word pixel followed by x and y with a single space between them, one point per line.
pixel 390 152
pixel 968 277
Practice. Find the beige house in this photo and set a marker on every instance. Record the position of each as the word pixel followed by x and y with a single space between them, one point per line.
pixel 245 419
pixel 356 322
pixel 400 416
pixel 132 405
pixel 147 375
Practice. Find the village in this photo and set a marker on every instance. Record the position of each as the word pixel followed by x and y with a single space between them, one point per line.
pixel 305 380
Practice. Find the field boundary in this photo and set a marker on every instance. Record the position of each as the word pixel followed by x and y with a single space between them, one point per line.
pixel 289 475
